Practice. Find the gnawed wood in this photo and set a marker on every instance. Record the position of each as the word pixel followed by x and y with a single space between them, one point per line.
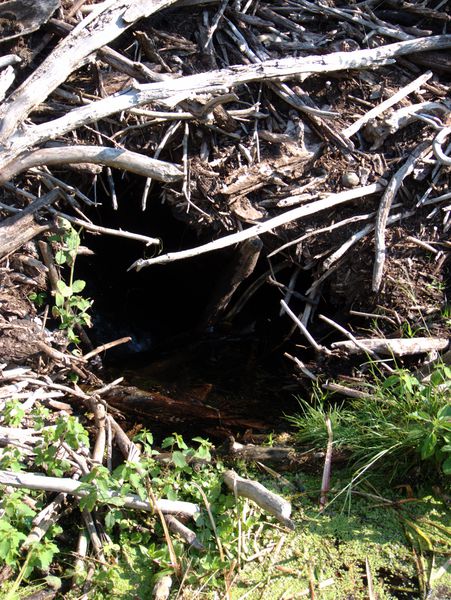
pixel 270 502
pixel 393 347
pixel 70 486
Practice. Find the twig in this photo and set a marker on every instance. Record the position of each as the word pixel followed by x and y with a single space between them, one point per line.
pixel 384 208
pixel 301 367
pixel 377 110
pixel 107 346
pixel 303 328
pixel 325 483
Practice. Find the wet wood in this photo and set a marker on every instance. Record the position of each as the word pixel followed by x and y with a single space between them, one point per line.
pixel 163 410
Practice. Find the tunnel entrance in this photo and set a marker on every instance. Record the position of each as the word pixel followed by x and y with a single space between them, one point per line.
pixel 237 366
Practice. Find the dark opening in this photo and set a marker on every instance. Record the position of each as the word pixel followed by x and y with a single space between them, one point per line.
pixel 161 308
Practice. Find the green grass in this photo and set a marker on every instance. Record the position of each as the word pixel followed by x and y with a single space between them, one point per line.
pixel 402 423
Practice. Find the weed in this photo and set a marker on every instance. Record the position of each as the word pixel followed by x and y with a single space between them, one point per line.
pixel 71 308
pixel 401 423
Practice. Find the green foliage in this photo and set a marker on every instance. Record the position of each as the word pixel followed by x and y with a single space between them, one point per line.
pixel 71 308
pixel 67 429
pixel 13 413
pixel 38 298
pixel 403 422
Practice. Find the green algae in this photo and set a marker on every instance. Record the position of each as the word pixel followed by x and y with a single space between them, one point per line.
pixel 335 548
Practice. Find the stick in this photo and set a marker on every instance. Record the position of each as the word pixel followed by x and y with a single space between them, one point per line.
pixel 384 208
pixel 377 110
pixel 305 332
pixel 270 502
pixel 216 81
pixel 234 238
pixel 69 486
pixel 100 155
pixel 184 532
pixel 394 346
pixel 325 483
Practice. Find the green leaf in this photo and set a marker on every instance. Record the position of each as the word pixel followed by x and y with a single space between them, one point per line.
pixel 59 300
pixel 445 412
pixel 428 446
pixel 60 257
pixel 64 289
pixel 446 466
pixel 179 459
pixel 78 286
pixel 168 442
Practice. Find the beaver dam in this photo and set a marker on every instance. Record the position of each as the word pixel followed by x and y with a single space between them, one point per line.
pixel 224 299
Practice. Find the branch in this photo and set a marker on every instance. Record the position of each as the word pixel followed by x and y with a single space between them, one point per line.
pixel 69 486
pixel 384 208
pixel 272 503
pixel 292 215
pixel 101 155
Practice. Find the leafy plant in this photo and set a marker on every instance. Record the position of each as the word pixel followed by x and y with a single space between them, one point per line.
pixel 402 422
pixel 71 308
pixel 38 298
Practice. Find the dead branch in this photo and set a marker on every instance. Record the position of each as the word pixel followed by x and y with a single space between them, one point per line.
pixel 100 155
pixel 393 347
pixel 69 486
pixel 272 503
pixel 384 209
pixel 287 217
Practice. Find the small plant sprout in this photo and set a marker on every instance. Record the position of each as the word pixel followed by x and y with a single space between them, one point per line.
pixel 71 308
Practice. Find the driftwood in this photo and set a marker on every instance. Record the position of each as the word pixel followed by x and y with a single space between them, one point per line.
pixel 393 347
pixel 69 486
pixel 272 503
